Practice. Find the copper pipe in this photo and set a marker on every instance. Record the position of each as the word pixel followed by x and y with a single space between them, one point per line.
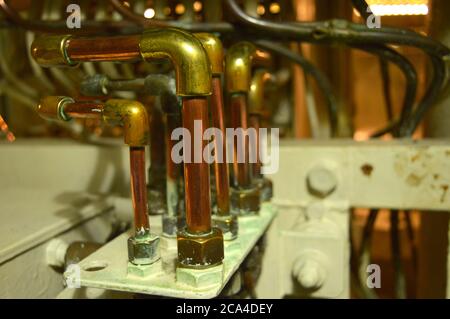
pixel 139 190
pixel 254 121
pixel 84 110
pixel 220 164
pixel 122 48
pixel 173 170
pixel 196 175
pixel 241 171
pixel 133 116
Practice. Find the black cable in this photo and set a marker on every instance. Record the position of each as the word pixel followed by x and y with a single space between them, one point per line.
pixel 341 31
pixel 310 69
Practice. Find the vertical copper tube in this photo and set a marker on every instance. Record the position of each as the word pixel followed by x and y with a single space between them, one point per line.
pixel 139 190
pixel 241 171
pixel 157 146
pixel 196 170
pixel 254 121
pixel 173 170
pixel 220 164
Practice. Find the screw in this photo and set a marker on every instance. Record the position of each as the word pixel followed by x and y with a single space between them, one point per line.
pixel 321 182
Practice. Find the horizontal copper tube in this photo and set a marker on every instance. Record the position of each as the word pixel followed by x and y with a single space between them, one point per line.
pixel 123 48
pixel 220 164
pixel 241 171
pixel 84 110
pixel 196 175
pixel 139 190
pixel 254 121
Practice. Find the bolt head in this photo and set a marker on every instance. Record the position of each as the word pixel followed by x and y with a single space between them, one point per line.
pixel 321 182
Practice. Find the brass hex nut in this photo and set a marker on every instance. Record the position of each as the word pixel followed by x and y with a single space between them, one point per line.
pixel 266 189
pixel 228 224
pixel 200 251
pixel 143 250
pixel 245 202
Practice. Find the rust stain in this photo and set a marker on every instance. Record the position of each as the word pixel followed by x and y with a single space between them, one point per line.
pixel 444 192
pixel 367 169
pixel 415 158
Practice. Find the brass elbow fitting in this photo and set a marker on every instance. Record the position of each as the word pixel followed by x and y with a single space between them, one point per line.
pixel 238 65
pixel 187 54
pixel 214 50
pixel 52 108
pixel 131 114
pixel 134 118
pixel 51 51
pixel 258 85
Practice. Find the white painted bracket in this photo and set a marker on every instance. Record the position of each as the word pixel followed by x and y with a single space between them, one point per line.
pixel 113 259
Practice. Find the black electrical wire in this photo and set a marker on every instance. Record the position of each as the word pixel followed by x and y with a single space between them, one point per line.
pixel 310 69
pixel 341 31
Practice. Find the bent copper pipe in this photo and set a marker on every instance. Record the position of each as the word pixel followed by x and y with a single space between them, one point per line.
pixel 257 110
pixel 132 115
pixel 193 84
pixel 214 49
pixel 238 68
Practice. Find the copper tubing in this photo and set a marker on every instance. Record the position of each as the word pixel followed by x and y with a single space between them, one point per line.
pixel 173 170
pixel 123 48
pixel 254 121
pixel 241 171
pixel 84 110
pixel 196 175
pixel 139 190
pixel 133 116
pixel 220 164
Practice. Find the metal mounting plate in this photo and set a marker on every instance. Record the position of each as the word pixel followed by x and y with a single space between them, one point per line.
pixel 107 267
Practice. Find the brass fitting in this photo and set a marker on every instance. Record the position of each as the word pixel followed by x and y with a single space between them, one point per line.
pixel 187 54
pixel 200 251
pixel 261 78
pixel 51 51
pixel 265 186
pixel 245 202
pixel 214 50
pixel 52 107
pixel 143 250
pixel 238 65
pixel 133 116
pixel 228 224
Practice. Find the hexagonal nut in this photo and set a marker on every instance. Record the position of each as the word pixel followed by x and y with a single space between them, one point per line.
pixel 321 182
pixel 200 251
pixel 200 278
pixel 245 202
pixel 228 224
pixel 143 250
pixel 266 189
